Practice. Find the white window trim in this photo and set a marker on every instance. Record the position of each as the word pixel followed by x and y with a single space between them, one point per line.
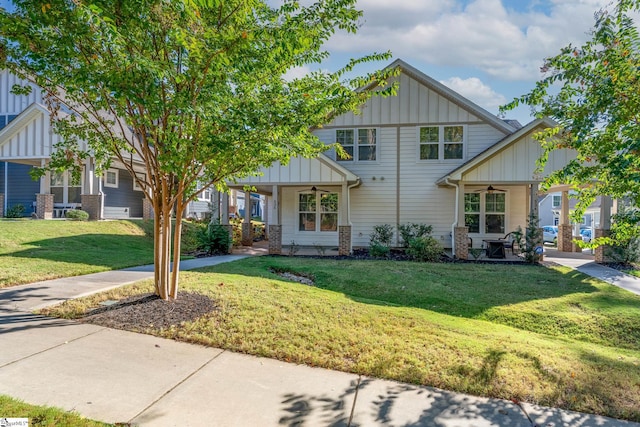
pixel 553 197
pixel 441 144
pixel 318 213
pixel 483 216
pixel 117 173
pixel 355 158
pixel 136 187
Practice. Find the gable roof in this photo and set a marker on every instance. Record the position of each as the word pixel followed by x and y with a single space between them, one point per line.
pixel 453 96
pixel 456 174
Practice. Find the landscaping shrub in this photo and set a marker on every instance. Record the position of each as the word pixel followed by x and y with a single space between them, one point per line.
pixel 627 250
pixel 77 215
pixel 16 211
pixel 191 231
pixel 380 240
pixel 425 248
pixel 378 250
pixel 533 239
pixel 409 232
pixel 214 239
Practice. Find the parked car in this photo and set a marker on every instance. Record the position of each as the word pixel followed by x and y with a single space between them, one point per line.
pixel 586 234
pixel 550 234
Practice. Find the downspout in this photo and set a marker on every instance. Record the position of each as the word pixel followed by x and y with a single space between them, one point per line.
pixel 6 186
pixel 101 193
pixel 349 187
pixel 455 216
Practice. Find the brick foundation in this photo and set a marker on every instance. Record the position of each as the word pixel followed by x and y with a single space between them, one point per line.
pixel 44 206
pixel 275 239
pixel 565 238
pixel 461 241
pixel 147 209
pixel 344 240
pixel 601 251
pixel 92 204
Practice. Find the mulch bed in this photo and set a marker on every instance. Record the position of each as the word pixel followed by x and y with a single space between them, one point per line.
pixel 149 311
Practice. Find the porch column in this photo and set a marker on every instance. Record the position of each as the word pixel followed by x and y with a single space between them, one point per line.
pixel 44 206
pixel 265 217
pixel 344 229
pixel 247 232
pixel 565 233
pixel 215 206
pixel 147 209
pixel 224 217
pixel 605 228
pixel 275 229
pixel 460 236
pixel 1 205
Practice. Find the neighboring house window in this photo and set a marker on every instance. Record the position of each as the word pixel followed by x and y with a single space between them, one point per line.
pixel 111 178
pixel 205 194
pixel 485 213
pixel 441 142
pixel 557 201
pixel 64 190
pixel 141 177
pixel 318 212
pixel 360 144
pixel 5 120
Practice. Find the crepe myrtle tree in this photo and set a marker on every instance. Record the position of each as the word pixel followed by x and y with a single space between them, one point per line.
pixel 593 93
pixel 193 90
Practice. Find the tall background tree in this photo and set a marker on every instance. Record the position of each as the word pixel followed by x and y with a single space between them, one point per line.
pixel 193 89
pixel 593 93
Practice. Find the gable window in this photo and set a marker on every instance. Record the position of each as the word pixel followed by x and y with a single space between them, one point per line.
pixel 111 178
pixel 485 212
pixel 556 201
pixel 441 142
pixel 318 212
pixel 360 144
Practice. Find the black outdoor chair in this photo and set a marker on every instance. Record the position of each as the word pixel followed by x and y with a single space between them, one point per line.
pixel 510 243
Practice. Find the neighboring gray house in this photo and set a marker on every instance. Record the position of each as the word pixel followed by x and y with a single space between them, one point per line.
pixel 550 206
pixel 27 140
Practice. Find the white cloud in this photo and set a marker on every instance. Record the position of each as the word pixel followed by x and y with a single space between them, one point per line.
pixel 296 72
pixel 476 91
pixel 502 42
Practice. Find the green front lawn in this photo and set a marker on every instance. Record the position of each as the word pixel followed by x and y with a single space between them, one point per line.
pixel 31 251
pixel 43 416
pixel 553 337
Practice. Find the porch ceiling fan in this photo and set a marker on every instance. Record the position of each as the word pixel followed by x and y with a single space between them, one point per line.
pixel 490 189
pixel 316 189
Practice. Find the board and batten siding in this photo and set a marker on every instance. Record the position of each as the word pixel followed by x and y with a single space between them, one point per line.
pixel 298 170
pixel 517 163
pixel 33 140
pixel 14 104
pixel 414 103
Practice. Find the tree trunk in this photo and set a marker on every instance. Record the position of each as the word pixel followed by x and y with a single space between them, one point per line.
pixel 177 238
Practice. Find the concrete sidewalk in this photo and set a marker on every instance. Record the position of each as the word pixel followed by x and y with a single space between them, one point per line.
pixel 117 376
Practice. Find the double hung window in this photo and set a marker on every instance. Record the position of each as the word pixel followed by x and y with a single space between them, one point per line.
pixel 441 142
pixel 359 144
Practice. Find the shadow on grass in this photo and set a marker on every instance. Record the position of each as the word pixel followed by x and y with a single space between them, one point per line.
pixel 108 250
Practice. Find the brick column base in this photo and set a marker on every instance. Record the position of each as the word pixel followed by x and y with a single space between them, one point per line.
pixel 247 234
pixel 601 251
pixel 1 205
pixel 565 238
pixel 92 204
pixel 44 206
pixel 147 209
pixel 229 228
pixel 275 239
pixel 344 240
pixel 461 241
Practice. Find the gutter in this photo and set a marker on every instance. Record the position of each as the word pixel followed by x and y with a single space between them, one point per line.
pixel 455 222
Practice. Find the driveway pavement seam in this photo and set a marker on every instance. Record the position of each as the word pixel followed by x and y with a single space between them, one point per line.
pixel 176 385
pixel 355 399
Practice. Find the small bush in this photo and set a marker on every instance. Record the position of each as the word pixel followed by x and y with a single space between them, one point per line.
pixel 214 239
pixel 382 234
pixel 191 231
pixel 16 211
pixel 378 250
pixel 412 231
pixel 425 249
pixel 77 215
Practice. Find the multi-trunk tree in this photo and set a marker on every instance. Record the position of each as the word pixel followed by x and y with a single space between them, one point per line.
pixel 593 93
pixel 192 90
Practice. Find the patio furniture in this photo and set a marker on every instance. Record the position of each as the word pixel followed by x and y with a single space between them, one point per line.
pixel 510 242
pixel 495 248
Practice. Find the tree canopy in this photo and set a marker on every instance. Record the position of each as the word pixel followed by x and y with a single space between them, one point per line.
pixel 593 93
pixel 191 90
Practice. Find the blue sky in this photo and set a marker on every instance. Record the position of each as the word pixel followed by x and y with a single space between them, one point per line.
pixel 488 50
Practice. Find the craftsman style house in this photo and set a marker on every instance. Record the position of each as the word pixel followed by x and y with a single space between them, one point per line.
pixel 427 155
